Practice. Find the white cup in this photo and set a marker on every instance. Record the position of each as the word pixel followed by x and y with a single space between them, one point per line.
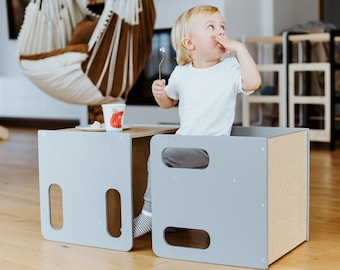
pixel 114 116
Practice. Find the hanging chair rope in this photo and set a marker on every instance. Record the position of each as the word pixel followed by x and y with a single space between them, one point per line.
pixel 115 53
pixel 121 52
pixel 48 25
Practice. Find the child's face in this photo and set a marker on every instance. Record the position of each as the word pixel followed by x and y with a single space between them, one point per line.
pixel 203 36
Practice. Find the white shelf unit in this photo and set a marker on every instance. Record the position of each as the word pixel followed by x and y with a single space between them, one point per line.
pixel 262 45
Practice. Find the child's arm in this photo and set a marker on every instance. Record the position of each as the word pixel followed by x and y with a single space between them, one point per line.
pixel 160 95
pixel 251 79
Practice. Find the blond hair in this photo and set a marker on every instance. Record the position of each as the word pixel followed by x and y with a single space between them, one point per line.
pixel 182 29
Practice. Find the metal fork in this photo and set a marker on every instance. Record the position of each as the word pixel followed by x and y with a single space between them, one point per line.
pixel 162 50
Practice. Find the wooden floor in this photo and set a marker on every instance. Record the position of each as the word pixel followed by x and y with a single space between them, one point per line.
pixel 23 247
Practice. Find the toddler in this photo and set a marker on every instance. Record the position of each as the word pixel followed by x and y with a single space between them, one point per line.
pixel 205 84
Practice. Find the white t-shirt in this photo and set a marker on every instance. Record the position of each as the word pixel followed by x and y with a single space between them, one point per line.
pixel 207 97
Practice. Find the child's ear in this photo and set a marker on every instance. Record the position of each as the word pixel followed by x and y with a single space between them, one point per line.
pixel 187 43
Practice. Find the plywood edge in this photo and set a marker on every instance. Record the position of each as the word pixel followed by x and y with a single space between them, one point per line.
pixel 288 193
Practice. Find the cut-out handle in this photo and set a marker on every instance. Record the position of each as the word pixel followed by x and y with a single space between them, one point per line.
pixel 189 158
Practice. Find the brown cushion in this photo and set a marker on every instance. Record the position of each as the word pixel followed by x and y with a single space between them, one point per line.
pixel 83 31
pixel 83 48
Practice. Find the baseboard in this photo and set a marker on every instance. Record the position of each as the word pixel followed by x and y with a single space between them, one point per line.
pixel 38 123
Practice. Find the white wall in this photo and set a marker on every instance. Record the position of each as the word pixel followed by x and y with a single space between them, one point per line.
pixel 20 98
pixel 267 17
pixel 168 11
pixel 291 12
pixel 243 17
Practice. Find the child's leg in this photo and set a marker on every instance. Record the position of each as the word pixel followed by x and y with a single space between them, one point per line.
pixel 185 158
pixel 142 224
pixel 172 157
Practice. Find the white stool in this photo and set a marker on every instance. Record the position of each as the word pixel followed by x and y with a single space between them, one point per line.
pixel 252 200
pixel 86 166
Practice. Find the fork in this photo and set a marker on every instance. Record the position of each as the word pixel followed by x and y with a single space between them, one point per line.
pixel 162 50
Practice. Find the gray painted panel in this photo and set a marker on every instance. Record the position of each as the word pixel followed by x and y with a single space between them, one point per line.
pixel 86 165
pixel 228 199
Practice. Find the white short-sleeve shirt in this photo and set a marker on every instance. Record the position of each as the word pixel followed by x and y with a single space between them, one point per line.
pixel 207 97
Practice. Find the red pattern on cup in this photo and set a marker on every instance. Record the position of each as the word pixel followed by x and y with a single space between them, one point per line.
pixel 116 119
